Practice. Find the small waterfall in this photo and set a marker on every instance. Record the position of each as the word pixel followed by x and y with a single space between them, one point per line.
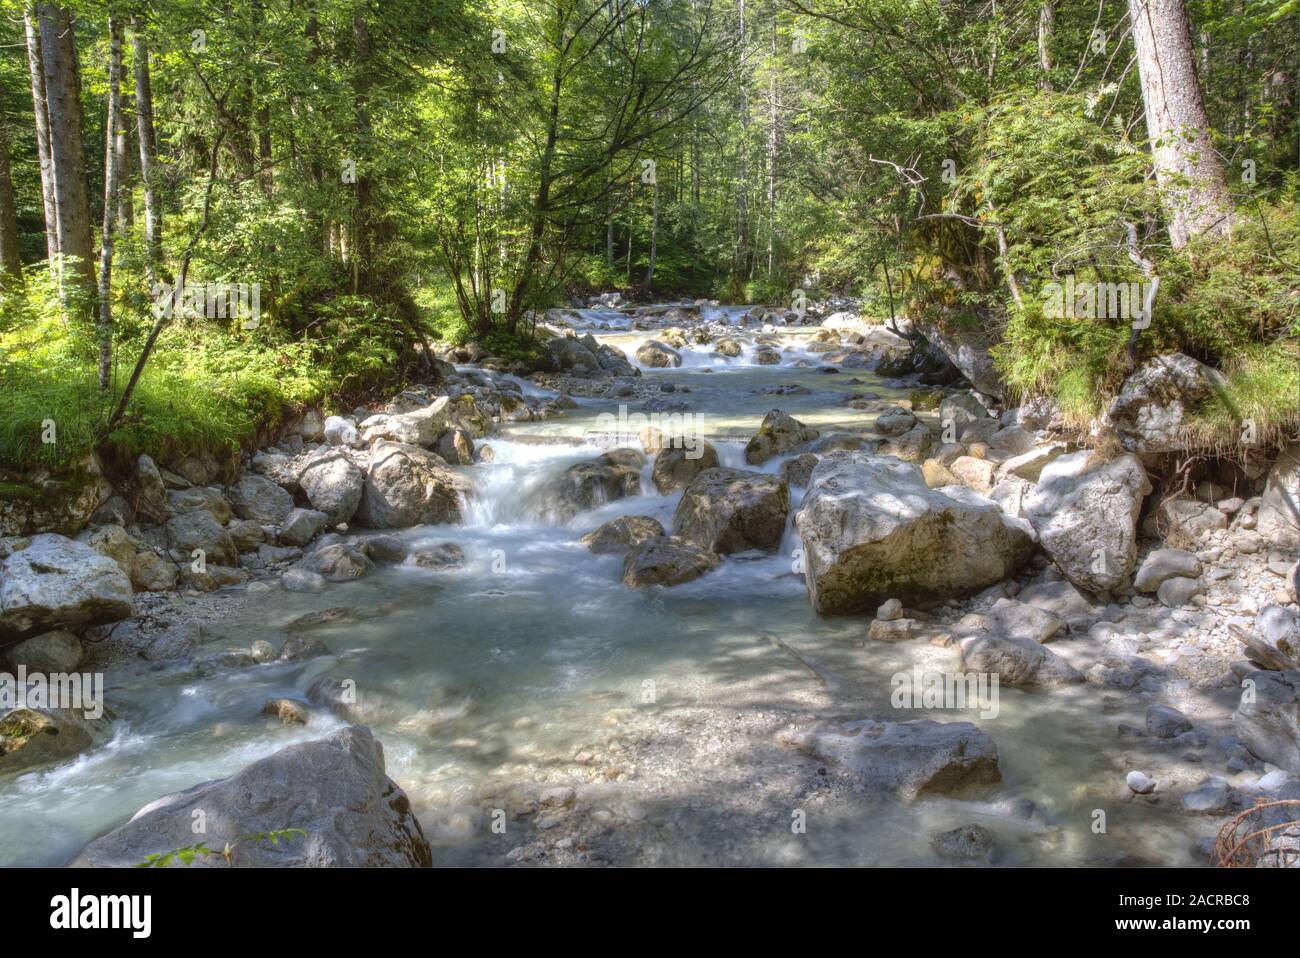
pixel 503 489
pixel 528 388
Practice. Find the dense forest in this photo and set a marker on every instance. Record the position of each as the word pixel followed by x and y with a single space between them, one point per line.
pixel 395 177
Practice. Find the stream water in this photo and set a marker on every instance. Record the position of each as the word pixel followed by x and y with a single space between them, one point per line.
pixel 533 665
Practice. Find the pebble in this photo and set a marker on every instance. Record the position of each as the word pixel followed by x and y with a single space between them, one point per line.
pixel 1140 783
pixel 287 711
pixel 891 630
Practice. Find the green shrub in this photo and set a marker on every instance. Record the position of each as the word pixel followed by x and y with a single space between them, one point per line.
pixel 209 384
pixel 1263 388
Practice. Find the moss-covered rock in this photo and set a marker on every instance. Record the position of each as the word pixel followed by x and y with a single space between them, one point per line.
pixel 46 501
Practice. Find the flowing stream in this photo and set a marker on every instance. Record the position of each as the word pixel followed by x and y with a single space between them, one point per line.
pixel 532 666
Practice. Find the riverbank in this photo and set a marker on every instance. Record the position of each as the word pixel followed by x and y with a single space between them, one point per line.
pixel 536 710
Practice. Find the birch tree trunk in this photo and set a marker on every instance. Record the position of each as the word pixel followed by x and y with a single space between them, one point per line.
pixel 122 147
pixel 1189 173
pixel 112 176
pixel 148 144
pixel 1046 36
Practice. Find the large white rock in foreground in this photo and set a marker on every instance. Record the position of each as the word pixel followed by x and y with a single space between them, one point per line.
pixel 872 530
pixel 1086 517
pixel 57 581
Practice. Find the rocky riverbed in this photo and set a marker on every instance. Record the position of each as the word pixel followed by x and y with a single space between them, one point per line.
pixel 710 588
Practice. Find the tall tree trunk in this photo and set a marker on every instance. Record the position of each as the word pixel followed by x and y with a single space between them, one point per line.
pixel 1190 175
pixel 609 229
pixel 361 247
pixel 695 160
pixel 993 41
pixel 35 65
pixel 542 200
pixel 742 174
pixel 148 144
pixel 11 264
pixel 264 149
pixel 328 230
pixel 774 93
pixel 1248 63
pixel 265 175
pixel 1046 36
pixel 63 100
pixel 112 175
pixel 695 172
pixel 122 147
pixel 240 119
pixel 631 241
pixel 654 235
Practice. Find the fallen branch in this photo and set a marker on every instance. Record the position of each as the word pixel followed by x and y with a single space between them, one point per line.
pixel 1259 651
pixel 1251 850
